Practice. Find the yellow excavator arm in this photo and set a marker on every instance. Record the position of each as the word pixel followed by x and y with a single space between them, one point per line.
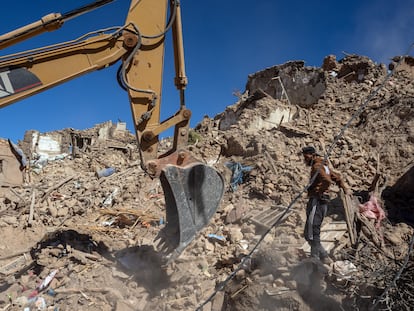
pixel 140 45
pixel 192 190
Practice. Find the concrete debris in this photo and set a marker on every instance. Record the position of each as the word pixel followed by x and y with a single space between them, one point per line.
pixel 82 223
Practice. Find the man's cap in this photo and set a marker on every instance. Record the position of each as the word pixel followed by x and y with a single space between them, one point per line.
pixel 308 150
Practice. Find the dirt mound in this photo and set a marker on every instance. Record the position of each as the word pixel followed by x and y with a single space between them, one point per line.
pixel 77 236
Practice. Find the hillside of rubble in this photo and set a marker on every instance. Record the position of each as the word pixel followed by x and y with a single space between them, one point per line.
pixel 78 230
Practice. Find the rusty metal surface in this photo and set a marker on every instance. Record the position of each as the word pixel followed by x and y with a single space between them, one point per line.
pixel 181 158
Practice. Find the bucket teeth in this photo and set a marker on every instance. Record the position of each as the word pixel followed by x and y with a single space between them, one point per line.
pixel 192 196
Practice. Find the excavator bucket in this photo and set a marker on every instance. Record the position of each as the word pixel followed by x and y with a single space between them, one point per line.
pixel 192 196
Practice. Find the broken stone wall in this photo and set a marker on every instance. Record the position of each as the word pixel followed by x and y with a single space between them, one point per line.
pixel 108 130
pixel 303 85
pixel 47 145
pixel 56 143
pixel 260 110
pixel 406 64
pixel 359 68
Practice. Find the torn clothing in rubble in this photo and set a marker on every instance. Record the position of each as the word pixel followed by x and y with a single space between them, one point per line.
pixel 239 173
pixel 372 210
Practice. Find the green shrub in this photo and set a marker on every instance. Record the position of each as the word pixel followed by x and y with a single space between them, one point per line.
pixel 193 137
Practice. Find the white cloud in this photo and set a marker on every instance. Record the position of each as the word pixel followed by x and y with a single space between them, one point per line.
pixel 385 29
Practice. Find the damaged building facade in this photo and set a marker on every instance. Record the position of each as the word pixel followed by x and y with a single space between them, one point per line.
pixel 59 144
pixel 37 149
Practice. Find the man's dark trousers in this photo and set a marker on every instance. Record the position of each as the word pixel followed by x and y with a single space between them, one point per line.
pixel 315 213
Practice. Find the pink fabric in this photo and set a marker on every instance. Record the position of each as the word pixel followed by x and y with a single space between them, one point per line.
pixel 372 210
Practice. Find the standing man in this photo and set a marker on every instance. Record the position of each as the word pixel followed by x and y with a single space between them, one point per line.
pixel 318 200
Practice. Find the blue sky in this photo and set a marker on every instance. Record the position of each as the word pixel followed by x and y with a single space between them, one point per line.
pixel 224 41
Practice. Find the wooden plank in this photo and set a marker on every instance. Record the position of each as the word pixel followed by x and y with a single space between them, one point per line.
pixel 16 265
pixel 349 208
pixel 334 226
pixel 331 233
pixel 268 217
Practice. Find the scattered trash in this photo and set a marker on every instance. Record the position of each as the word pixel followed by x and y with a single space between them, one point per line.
pixel 38 302
pixel 77 184
pixel 344 269
pixel 38 163
pixel 51 292
pixel 244 244
pixel 372 210
pixel 239 173
pixel 108 223
pixel 105 172
pixel 58 157
pixel 47 280
pixel 109 199
pixel 216 237
pixel 41 160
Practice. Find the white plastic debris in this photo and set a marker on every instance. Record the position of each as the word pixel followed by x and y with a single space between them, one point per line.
pixel 47 280
pixel 344 269
pixel 109 199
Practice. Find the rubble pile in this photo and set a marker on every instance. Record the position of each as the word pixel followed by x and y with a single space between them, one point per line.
pixel 78 233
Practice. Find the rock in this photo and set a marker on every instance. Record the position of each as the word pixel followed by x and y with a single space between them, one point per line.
pixel 53 211
pixel 122 306
pixel 235 234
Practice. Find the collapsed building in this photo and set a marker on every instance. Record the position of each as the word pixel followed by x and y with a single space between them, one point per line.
pixel 92 237
pixel 71 141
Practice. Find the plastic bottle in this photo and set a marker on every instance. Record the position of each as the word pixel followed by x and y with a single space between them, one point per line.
pixel 105 172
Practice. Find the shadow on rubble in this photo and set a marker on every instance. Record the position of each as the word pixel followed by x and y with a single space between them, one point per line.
pixel 336 209
pixel 399 199
pixel 144 265
pixel 71 244
pixel 61 239
pixel 309 276
pixel 55 246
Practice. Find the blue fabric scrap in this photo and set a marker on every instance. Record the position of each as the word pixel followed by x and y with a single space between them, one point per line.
pixel 238 173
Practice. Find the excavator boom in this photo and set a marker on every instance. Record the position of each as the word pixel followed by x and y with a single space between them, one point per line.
pixel 192 189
